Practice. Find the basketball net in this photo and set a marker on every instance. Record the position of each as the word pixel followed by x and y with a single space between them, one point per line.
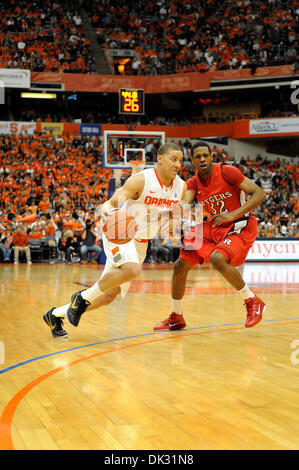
pixel 137 166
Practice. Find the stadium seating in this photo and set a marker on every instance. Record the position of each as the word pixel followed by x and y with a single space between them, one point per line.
pixel 166 37
pixel 44 37
pixel 44 180
pixel 179 36
pixel 50 184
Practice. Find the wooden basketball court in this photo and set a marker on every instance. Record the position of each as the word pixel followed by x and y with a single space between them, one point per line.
pixel 114 384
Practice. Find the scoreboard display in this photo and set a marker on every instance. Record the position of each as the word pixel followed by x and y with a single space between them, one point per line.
pixel 131 102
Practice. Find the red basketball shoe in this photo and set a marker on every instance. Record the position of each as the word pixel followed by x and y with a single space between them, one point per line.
pixel 255 308
pixel 173 322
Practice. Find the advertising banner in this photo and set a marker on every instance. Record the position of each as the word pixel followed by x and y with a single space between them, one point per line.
pixel 156 83
pixel 15 78
pixel 113 83
pixel 274 250
pixel 13 127
pixel 54 128
pixel 90 129
pixel 274 126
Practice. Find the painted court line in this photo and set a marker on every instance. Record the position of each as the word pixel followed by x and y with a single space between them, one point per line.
pixel 3 371
pixel 6 418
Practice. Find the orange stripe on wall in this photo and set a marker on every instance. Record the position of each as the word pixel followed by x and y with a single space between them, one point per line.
pixel 211 130
pixel 71 128
pixel 153 84
pixel 240 129
pixel 236 130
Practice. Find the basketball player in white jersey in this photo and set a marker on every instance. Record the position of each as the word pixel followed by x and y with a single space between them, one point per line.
pixel 151 192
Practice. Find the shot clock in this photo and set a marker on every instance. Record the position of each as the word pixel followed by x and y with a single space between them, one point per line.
pixel 131 102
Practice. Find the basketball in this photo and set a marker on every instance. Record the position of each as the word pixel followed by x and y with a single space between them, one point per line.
pixel 120 227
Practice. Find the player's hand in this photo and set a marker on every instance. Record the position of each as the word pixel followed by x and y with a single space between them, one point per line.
pixel 107 210
pixel 219 219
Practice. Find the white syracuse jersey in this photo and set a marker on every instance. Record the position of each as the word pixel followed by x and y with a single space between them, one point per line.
pixel 154 199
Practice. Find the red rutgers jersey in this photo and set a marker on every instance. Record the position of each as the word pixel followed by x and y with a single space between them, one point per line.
pixel 220 192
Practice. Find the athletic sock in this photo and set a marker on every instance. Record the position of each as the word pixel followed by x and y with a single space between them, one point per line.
pixel 177 306
pixel 60 311
pixel 92 293
pixel 246 293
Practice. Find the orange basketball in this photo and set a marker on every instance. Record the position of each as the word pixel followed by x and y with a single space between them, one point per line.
pixel 120 227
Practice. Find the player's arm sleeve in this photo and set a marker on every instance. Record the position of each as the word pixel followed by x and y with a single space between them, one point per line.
pixel 232 175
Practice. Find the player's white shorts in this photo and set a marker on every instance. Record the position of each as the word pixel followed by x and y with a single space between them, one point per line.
pixel 116 255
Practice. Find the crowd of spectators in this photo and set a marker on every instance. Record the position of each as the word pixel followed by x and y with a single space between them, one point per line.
pixel 44 37
pixel 166 36
pixel 178 36
pixel 52 187
pixel 104 117
pixel 175 118
pixel 278 216
pixel 60 170
pixel 55 183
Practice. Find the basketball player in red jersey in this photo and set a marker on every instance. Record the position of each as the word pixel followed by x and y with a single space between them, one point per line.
pixel 228 234
pixel 155 190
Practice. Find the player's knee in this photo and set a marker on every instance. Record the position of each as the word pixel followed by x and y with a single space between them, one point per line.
pixel 181 267
pixel 218 260
pixel 132 270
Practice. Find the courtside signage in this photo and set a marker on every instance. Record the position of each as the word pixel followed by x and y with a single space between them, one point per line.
pixel 274 250
pixel 267 273
pixel 13 127
pixel 90 129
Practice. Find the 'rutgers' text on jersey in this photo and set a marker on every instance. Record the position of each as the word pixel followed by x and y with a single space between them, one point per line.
pixel 154 199
pixel 219 195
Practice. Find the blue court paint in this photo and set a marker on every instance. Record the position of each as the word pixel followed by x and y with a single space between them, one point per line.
pixel 114 340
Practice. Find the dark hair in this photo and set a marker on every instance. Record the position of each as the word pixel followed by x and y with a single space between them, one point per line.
pixel 165 148
pixel 199 144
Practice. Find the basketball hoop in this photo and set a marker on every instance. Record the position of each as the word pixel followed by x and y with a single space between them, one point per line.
pixel 136 165
pixel 121 147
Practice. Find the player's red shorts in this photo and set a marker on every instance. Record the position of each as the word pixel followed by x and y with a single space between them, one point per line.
pixel 234 242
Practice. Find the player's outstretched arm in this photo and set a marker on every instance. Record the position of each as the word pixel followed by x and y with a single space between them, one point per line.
pixel 188 197
pixel 172 221
pixel 132 189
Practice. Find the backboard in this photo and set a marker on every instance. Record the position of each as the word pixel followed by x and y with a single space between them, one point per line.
pixel 121 147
